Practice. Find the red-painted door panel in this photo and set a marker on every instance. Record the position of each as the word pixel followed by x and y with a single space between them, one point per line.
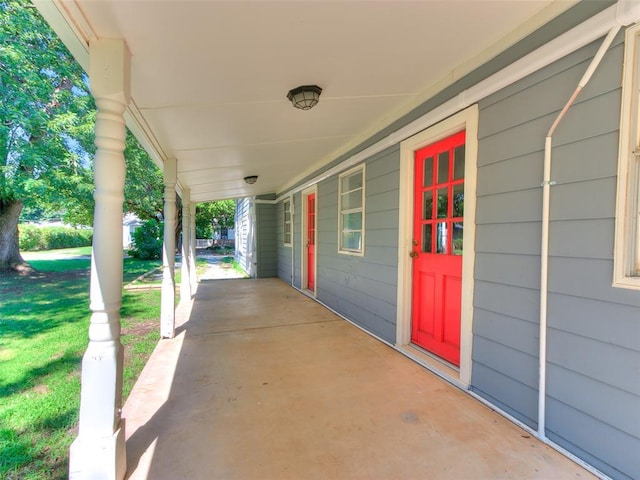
pixel 437 252
pixel 311 242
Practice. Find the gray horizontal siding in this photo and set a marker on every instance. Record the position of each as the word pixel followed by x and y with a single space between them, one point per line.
pixel 598 440
pixel 510 395
pixel 593 387
pixel 363 288
pixel 266 240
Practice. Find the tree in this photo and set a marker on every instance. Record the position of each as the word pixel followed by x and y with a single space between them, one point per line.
pixel 44 108
pixel 47 120
pixel 223 211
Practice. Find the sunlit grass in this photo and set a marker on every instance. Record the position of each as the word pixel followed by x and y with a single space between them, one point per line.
pixel 43 334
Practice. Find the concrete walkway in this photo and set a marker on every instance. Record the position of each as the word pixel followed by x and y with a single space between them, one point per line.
pixel 218 269
pixel 263 383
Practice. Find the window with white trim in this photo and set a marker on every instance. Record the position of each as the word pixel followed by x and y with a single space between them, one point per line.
pixel 627 231
pixel 351 211
pixel 286 205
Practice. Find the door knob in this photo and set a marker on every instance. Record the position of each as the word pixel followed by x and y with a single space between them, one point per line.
pixel 413 254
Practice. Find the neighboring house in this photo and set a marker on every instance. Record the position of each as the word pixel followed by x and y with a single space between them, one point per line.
pixel 129 224
pixel 379 239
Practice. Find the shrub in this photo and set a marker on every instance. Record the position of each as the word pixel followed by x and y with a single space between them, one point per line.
pixel 49 238
pixel 147 241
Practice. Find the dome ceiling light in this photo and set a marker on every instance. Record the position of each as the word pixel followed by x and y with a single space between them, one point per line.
pixel 305 97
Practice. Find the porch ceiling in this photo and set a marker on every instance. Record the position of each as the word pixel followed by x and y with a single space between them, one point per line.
pixel 210 78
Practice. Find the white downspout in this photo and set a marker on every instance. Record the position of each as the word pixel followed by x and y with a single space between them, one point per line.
pixel 544 249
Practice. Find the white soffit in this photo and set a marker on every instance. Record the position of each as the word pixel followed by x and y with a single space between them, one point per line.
pixel 209 78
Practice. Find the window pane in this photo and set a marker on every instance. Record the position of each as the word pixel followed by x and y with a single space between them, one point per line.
pixel 458 231
pixel 352 221
pixel 443 167
pixel 352 200
pixel 458 200
pixel 426 237
pixel 443 202
pixel 352 240
pixel 427 214
pixel 352 182
pixel 428 172
pixel 458 163
pixel 441 237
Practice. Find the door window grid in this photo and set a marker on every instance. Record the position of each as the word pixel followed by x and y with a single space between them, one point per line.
pixel 440 171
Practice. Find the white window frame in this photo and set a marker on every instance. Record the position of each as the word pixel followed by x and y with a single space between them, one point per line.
pixel 361 169
pixel 626 270
pixel 285 222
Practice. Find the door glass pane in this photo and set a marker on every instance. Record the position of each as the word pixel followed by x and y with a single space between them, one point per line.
pixel 428 172
pixel 441 237
pixel 458 231
pixel 458 163
pixel 443 167
pixel 427 214
pixel 426 237
pixel 458 200
pixel 442 202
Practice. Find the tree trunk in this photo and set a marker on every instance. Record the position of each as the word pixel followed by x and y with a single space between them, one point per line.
pixel 10 258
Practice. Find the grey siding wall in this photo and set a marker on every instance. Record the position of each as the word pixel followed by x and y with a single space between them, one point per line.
pixel 245 235
pixel 363 288
pixel 284 265
pixel 593 385
pixel 266 241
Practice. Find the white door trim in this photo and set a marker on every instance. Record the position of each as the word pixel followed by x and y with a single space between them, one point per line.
pixel 464 120
pixel 304 280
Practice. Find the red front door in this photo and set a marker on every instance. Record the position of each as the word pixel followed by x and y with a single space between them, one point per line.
pixel 437 251
pixel 311 242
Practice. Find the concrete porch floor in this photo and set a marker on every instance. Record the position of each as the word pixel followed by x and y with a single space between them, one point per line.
pixel 262 382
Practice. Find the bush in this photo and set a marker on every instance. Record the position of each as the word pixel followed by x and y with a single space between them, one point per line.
pixel 147 241
pixel 49 238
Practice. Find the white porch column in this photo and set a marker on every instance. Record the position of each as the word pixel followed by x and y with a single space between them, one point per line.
pixel 168 302
pixel 99 450
pixel 193 277
pixel 185 285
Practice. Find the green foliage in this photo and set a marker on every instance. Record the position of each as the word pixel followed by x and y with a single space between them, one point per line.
pixel 45 108
pixel 47 128
pixel 223 211
pixel 50 238
pixel 42 339
pixel 144 183
pixel 147 241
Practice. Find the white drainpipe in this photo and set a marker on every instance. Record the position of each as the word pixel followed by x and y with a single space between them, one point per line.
pixel 544 250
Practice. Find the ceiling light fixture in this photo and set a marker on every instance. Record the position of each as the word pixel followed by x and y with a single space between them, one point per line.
pixel 305 97
pixel 251 179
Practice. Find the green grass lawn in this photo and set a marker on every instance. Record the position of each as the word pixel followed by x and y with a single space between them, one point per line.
pixel 43 333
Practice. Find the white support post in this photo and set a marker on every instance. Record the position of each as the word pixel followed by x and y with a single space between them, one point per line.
pixel 185 285
pixel 193 277
pixel 99 450
pixel 168 301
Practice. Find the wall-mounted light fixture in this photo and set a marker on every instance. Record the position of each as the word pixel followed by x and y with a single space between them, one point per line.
pixel 251 179
pixel 305 97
